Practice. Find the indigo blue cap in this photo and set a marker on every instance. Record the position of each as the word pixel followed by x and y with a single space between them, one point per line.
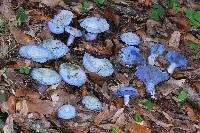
pixel 131 55
pixel 92 103
pixel 65 17
pixel 66 112
pixel 72 74
pixel 58 48
pixel 102 67
pixel 73 31
pixel 131 91
pixel 55 26
pixel 36 53
pixel 130 38
pixel 176 60
pixel 95 25
pixel 45 76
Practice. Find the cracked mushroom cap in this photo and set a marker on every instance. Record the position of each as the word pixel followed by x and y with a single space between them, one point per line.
pixel 156 49
pixel 73 31
pixel 72 74
pixel 121 92
pixel 65 17
pixel 92 103
pixel 101 67
pixel 95 25
pixel 45 76
pixel 130 38
pixel 55 26
pixel 66 112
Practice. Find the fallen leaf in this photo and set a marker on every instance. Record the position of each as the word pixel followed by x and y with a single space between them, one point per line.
pixel 3 50
pixel 38 15
pixel 8 127
pixel 27 93
pixel 113 17
pixel 44 34
pixel 174 41
pixel 137 128
pixel 190 111
pixel 191 38
pixel 51 3
pixel 6 10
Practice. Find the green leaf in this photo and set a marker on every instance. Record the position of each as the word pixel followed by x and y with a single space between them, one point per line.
pixel 21 16
pixel 193 46
pixel 148 104
pixel 25 70
pixel 114 130
pixel 182 96
pixel 100 2
pixel 195 57
pixel 85 7
pixel 156 12
pixel 138 118
pixel 174 5
pixel 193 17
pixel 198 36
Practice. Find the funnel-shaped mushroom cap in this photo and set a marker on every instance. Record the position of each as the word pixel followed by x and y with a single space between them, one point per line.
pixel 58 48
pixel 121 92
pixel 130 38
pixel 156 50
pixel 55 26
pixel 72 74
pixel 176 60
pixel 92 103
pixel 73 31
pixel 95 25
pixel 67 112
pixel 131 55
pixel 36 53
pixel 45 76
pixel 65 17
pixel 102 67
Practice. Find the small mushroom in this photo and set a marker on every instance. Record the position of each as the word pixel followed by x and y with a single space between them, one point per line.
pixel 126 92
pixel 131 55
pixel 55 26
pixel 156 50
pixel 36 53
pixel 65 17
pixel 130 38
pixel 176 60
pixel 58 48
pixel 94 26
pixel 101 67
pixel 151 76
pixel 73 33
pixel 72 74
pixel 92 103
pixel 45 76
pixel 66 112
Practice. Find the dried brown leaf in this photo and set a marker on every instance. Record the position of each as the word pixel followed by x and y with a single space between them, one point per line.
pixel 191 38
pixel 6 10
pixel 174 41
pixel 27 93
pixel 137 128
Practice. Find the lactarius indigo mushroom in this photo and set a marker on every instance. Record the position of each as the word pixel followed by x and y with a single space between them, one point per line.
pixel 131 55
pixel 45 76
pixel 92 103
pixel 55 26
pixel 72 74
pixel 94 26
pixel 156 50
pixel 101 67
pixel 127 93
pixel 66 112
pixel 176 60
pixel 130 38
pixel 73 33
pixel 151 76
pixel 36 53
pixel 58 48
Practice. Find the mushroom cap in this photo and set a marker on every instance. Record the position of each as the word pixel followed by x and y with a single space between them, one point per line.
pixel 151 74
pixel 127 90
pixel 58 48
pixel 65 17
pixel 130 38
pixel 73 31
pixel 36 53
pixel 95 25
pixel 102 67
pixel 92 103
pixel 156 49
pixel 55 26
pixel 72 74
pixel 176 58
pixel 131 55
pixel 66 112
pixel 45 76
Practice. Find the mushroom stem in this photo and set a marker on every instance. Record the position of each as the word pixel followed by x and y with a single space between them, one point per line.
pixel 151 89
pixel 42 88
pixel 171 68
pixel 126 100
pixel 70 40
pixel 151 59
pixel 90 36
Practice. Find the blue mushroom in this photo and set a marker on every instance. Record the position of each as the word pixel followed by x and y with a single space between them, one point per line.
pixel 65 17
pixel 176 60
pixel 131 55
pixel 126 92
pixel 55 26
pixel 156 50
pixel 45 76
pixel 94 26
pixel 151 76
pixel 58 48
pixel 72 74
pixel 73 33
pixel 36 53
pixel 92 103
pixel 130 38
pixel 66 112
pixel 101 67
